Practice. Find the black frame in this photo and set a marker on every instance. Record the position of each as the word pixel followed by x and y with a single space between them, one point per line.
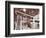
pixel 7 18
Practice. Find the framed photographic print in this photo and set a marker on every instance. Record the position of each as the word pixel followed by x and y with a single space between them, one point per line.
pixel 24 18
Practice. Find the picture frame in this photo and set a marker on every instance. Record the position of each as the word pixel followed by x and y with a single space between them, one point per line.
pixel 13 7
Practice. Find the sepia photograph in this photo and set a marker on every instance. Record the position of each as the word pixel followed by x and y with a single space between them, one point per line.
pixel 26 18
